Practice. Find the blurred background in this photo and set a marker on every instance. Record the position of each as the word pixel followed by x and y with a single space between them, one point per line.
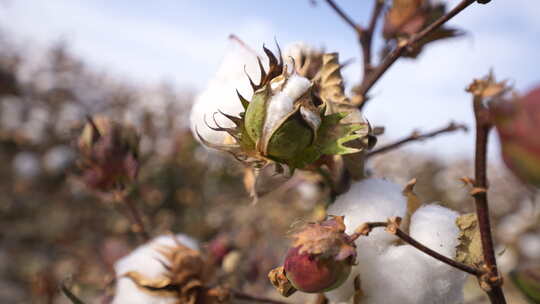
pixel 144 62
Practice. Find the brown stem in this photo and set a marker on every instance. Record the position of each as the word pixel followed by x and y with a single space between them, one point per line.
pixel 375 75
pixel 345 17
pixel 416 136
pixel 366 36
pixel 134 217
pixel 244 296
pixel 483 126
pixel 367 227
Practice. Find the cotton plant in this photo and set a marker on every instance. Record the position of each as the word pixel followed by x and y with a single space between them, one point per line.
pixel 375 268
pixel 295 116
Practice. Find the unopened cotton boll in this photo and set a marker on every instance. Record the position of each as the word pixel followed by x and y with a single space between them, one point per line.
pixel 146 260
pixel 220 94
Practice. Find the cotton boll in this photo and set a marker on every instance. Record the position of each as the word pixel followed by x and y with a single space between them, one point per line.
pixel 282 104
pixel 370 200
pixel 220 94
pixel 403 274
pixel 146 261
pixel 435 227
pixel 399 274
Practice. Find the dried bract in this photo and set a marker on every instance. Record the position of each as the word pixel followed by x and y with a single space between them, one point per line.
pixel 108 154
pixel 408 17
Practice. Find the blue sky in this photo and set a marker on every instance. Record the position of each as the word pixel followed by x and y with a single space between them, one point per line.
pixel 183 41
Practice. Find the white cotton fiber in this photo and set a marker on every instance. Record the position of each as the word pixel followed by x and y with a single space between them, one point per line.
pixel 435 227
pixel 391 273
pixel 370 200
pixel 220 94
pixel 145 260
pixel 282 103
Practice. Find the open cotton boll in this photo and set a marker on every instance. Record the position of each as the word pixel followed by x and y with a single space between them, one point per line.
pixel 392 273
pixel 220 94
pixel 370 200
pixel 435 227
pixel 146 261
pixel 403 274
pixel 282 104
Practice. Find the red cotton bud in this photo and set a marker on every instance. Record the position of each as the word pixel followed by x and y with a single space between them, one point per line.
pixel 321 256
pixel 517 122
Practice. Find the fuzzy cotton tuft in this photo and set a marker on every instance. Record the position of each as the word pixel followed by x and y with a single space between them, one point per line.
pixel 146 260
pixel 282 104
pixel 391 273
pixel 371 200
pixel 220 94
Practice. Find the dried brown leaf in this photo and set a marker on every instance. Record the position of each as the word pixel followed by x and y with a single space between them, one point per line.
pixel 280 282
pixel 469 250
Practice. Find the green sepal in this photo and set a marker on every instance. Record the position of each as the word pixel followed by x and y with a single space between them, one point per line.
pixel 256 113
pixel 245 102
pixel 332 136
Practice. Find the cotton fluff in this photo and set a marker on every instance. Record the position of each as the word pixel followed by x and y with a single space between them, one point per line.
pixel 371 200
pixel 145 260
pixel 281 104
pixel 220 94
pixel 391 273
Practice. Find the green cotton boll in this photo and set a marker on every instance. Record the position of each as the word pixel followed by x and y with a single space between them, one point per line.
pixel 290 139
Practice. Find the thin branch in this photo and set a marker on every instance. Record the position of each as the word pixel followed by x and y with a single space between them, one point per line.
pixel 463 267
pixel 416 136
pixel 135 216
pixel 483 126
pixel 345 17
pixel 392 227
pixel 366 36
pixel 244 296
pixel 375 75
